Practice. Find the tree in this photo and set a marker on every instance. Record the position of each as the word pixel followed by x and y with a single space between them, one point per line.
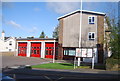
pixel 42 35
pixel 115 41
pixel 55 32
pixel 113 22
pixel 114 37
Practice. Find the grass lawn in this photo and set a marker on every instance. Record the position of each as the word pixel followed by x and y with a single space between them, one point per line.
pixel 57 66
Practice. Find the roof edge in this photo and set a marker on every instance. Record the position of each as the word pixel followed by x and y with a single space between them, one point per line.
pixel 36 39
pixel 87 11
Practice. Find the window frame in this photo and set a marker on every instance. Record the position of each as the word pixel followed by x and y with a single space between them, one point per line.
pixel 91 35
pixel 91 17
pixel 68 51
pixel 10 43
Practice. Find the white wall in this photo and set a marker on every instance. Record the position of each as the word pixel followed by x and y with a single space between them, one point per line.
pixel 5 47
pixel 2 47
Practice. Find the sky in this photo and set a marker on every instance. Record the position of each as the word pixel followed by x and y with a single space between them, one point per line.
pixel 25 19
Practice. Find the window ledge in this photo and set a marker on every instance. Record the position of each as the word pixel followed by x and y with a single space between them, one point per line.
pixel 91 39
pixel 91 23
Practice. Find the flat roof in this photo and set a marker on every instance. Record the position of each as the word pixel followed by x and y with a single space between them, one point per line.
pixel 36 39
pixel 83 11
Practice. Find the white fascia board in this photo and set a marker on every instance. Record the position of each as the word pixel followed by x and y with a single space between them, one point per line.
pixel 94 12
pixel 36 41
pixel 68 14
pixel 22 41
pixel 82 11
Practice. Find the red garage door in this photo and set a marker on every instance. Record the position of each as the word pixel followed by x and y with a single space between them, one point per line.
pixel 22 49
pixel 49 50
pixel 35 49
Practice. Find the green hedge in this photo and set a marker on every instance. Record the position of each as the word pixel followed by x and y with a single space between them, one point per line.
pixel 112 64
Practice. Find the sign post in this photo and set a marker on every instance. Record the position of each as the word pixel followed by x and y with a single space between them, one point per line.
pixel 79 61
pixel 93 60
pixel 78 54
pixel 74 61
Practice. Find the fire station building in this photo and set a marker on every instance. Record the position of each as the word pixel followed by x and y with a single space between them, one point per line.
pixel 37 47
pixel 91 35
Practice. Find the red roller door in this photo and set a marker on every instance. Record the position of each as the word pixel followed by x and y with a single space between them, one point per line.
pixel 22 49
pixel 49 50
pixel 35 49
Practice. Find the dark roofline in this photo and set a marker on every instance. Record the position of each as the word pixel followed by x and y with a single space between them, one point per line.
pixel 6 38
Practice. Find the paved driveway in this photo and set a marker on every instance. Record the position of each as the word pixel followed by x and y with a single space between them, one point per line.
pixel 18 60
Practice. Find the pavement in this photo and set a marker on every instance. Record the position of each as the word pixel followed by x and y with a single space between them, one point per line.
pixel 9 61
pixel 81 70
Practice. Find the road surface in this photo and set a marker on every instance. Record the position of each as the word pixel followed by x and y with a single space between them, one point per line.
pixel 45 75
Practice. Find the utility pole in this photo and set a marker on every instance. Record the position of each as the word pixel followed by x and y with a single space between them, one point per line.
pixel 79 59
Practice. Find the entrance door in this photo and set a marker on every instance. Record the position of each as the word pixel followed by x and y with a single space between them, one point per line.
pixel 49 50
pixel 22 49
pixel 35 49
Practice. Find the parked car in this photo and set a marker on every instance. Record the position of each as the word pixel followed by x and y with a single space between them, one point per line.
pixel 5 78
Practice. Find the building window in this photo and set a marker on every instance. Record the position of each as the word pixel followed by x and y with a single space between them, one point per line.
pixel 56 50
pixel 66 52
pixel 91 20
pixel 69 51
pixel 35 51
pixel 91 35
pixel 10 49
pixel 10 43
pixel 72 52
pixel 46 52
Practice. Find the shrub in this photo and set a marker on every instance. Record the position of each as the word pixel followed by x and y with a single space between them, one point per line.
pixel 112 64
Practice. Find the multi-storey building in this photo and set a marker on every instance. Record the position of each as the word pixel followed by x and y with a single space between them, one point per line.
pixel 91 34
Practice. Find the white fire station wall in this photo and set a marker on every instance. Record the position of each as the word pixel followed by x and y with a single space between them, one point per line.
pixel 43 49
pixel 28 48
